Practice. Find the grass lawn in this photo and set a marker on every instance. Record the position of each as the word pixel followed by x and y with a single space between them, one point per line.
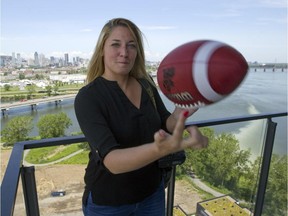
pixel 81 158
pixel 50 154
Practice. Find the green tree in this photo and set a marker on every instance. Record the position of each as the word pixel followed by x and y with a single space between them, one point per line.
pixel 31 89
pixel 275 202
pixel 49 90
pixel 7 87
pixel 39 76
pixel 231 160
pixel 243 176
pixel 192 156
pixel 56 88
pixel 53 125
pixel 17 129
pixel 21 76
pixel 222 163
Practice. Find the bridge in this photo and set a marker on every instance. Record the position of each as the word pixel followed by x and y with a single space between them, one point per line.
pixel 34 102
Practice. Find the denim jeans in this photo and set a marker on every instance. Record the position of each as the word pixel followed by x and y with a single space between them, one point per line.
pixel 153 205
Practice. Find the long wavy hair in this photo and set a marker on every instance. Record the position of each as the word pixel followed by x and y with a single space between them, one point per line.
pixel 96 65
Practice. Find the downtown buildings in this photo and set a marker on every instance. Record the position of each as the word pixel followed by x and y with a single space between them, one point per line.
pixel 40 61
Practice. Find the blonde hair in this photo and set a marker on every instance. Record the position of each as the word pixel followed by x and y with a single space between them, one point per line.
pixel 96 64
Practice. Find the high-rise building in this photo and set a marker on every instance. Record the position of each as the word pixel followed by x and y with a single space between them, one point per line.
pixel 61 62
pixel 52 60
pixel 66 59
pixel 42 60
pixel 13 59
pixel 19 60
pixel 36 59
pixel 5 60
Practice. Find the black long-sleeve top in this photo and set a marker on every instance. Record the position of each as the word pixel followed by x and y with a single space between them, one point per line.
pixel 109 121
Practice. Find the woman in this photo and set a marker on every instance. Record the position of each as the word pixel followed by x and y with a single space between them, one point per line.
pixel 126 131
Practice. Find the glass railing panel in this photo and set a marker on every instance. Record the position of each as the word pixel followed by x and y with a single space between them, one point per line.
pixel 59 179
pixel 224 177
pixel 19 209
pixel 60 189
pixel 275 202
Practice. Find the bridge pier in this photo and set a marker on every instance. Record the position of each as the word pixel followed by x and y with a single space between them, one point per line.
pixel 34 107
pixel 58 102
pixel 4 111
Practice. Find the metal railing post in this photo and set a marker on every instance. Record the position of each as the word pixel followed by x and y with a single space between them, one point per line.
pixel 170 193
pixel 30 191
pixel 267 154
pixel 10 181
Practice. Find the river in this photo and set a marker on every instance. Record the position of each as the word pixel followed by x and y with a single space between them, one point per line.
pixel 260 92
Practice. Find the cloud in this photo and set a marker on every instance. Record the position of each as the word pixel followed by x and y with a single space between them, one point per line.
pixel 242 4
pixel 86 30
pixel 274 3
pixel 153 56
pixel 268 21
pixel 228 12
pixel 80 54
pixel 158 27
pixel 12 38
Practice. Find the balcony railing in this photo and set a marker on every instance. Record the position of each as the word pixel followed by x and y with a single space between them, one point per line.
pixel 15 167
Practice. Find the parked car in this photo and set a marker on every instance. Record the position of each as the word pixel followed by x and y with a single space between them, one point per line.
pixel 58 193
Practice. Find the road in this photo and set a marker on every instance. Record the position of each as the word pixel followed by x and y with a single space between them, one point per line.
pixel 205 188
pixel 25 163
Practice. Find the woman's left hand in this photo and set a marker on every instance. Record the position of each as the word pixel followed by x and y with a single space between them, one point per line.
pixel 170 143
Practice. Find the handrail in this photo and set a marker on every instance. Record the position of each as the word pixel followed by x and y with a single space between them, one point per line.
pixel 11 178
pixel 236 119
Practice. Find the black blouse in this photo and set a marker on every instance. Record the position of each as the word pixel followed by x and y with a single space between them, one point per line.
pixel 109 120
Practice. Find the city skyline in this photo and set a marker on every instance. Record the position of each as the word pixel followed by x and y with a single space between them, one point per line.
pixel 258 28
pixel 39 60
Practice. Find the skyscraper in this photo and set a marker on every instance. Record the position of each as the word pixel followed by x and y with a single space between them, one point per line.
pixel 36 59
pixel 13 59
pixel 19 60
pixel 52 60
pixel 66 59
pixel 42 60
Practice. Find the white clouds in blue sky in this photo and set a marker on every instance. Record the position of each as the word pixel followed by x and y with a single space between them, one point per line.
pixel 257 28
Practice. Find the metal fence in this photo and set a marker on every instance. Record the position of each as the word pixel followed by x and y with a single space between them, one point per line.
pixel 15 167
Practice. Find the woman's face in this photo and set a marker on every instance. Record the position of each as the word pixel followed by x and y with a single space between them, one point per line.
pixel 119 52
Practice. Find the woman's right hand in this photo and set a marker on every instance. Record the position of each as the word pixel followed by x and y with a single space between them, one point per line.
pixel 129 159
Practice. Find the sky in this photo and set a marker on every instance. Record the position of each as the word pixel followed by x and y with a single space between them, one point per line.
pixel 256 28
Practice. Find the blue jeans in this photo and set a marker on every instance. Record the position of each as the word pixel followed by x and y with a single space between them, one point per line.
pixel 153 205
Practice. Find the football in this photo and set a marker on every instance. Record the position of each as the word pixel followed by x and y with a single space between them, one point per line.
pixel 200 73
